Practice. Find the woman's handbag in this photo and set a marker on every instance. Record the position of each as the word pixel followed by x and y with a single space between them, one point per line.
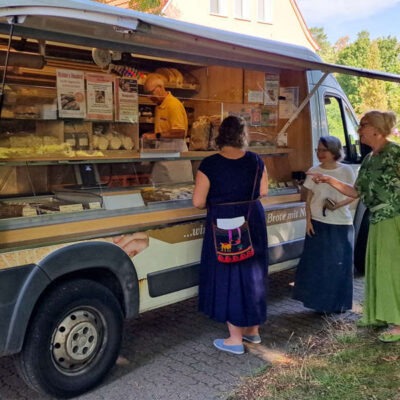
pixel 232 238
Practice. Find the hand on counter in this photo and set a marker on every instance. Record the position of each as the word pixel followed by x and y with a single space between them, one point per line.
pixel 132 244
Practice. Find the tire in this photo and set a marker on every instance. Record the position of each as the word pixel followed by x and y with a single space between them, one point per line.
pixel 360 248
pixel 73 339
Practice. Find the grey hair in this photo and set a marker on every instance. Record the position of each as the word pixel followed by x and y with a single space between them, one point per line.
pixel 383 121
pixel 333 144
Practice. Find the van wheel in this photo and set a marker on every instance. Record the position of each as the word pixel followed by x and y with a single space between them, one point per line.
pixel 360 249
pixel 73 339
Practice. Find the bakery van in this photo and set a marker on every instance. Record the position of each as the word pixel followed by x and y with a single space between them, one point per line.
pixel 76 170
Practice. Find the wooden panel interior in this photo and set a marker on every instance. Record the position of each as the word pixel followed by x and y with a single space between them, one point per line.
pixel 299 132
pixel 254 81
pixel 23 180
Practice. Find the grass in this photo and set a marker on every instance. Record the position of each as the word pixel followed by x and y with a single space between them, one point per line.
pixel 340 363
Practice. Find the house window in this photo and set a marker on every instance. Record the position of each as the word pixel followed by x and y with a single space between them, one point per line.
pixel 265 11
pixel 219 7
pixel 242 9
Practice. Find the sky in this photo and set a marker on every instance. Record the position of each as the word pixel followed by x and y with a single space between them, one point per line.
pixel 348 17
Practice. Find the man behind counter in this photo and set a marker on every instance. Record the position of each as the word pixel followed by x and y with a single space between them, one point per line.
pixel 170 122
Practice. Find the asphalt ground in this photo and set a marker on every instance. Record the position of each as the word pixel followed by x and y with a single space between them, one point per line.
pixel 168 353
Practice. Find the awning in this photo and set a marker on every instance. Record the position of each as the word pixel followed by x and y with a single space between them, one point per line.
pixel 127 30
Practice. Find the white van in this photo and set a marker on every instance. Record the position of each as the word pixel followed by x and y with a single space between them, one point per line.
pixel 65 287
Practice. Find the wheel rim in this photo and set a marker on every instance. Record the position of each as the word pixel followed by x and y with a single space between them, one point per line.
pixel 77 339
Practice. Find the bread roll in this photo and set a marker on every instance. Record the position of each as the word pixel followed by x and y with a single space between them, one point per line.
pixel 115 143
pixel 127 143
pixel 169 75
pixel 102 143
pixel 178 76
pixel 109 135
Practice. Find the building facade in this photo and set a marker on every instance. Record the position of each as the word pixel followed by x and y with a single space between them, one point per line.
pixel 279 20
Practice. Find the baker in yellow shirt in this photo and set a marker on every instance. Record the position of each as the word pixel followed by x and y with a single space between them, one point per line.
pixel 170 121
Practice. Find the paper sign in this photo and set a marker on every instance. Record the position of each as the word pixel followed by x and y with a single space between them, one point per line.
pixel 255 117
pixel 71 93
pixel 94 205
pixel 71 207
pixel 29 212
pixel 255 96
pixel 126 100
pixel 99 96
pixel 288 106
pixel 271 93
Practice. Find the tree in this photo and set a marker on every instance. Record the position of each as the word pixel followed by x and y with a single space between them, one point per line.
pixel 373 91
pixel 355 55
pixel 149 6
pixel 326 51
pixel 389 49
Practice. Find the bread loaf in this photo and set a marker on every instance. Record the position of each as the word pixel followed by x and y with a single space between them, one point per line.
pixel 200 134
pixel 178 76
pixel 115 143
pixel 102 143
pixel 127 143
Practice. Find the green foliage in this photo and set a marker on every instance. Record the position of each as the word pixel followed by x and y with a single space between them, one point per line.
pixel 334 120
pixel 151 6
pixel 343 363
pixel 355 55
pixel 373 91
pixel 379 54
pixel 326 51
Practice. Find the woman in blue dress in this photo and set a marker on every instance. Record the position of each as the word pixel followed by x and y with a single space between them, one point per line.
pixel 233 293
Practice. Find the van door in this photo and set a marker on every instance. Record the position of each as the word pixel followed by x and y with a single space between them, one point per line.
pixel 342 123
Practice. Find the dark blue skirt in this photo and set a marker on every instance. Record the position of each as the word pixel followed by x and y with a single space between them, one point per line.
pixel 324 277
pixel 235 292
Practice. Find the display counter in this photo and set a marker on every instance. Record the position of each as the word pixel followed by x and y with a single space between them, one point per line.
pixel 56 228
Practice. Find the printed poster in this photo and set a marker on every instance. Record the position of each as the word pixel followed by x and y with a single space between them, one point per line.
pixel 271 93
pixel 288 106
pixel 99 89
pixel 255 96
pixel 71 93
pixel 245 113
pixel 269 116
pixel 126 100
pixel 255 117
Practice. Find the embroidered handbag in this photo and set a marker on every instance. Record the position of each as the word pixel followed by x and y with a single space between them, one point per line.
pixel 233 243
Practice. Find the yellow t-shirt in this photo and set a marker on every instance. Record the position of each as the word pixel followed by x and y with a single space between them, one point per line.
pixel 170 114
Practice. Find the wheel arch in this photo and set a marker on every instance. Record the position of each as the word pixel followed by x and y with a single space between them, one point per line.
pixel 102 262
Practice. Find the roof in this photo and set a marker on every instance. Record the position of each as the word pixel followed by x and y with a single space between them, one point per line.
pixel 303 25
pixel 128 30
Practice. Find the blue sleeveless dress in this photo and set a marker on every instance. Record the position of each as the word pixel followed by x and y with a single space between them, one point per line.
pixel 234 292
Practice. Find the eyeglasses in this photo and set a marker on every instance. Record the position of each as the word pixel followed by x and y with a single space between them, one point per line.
pixel 321 150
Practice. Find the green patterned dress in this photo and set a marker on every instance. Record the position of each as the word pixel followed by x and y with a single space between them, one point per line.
pixel 378 185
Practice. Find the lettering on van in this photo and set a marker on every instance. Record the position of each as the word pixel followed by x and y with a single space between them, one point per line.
pixel 281 216
pixel 179 233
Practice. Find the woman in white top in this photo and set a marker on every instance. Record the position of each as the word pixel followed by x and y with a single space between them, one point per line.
pixel 324 278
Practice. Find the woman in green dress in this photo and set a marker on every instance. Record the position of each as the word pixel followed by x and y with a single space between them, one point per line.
pixel 378 186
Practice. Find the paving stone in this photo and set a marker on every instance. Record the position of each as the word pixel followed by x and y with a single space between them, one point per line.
pixel 168 354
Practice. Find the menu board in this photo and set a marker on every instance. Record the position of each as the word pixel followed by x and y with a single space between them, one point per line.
pixel 99 88
pixel 71 93
pixel 126 100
